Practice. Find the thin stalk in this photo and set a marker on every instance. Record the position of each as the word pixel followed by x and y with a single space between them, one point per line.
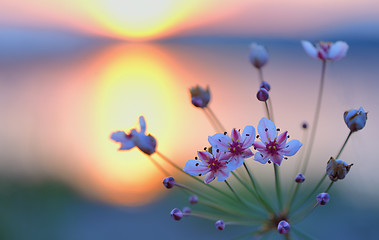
pixel 277 186
pixel 216 119
pixel 234 192
pixel 230 210
pixel 158 166
pixel 302 234
pixel 200 181
pixel 344 144
pixel 260 195
pixel 316 118
pixel 267 110
pixel 304 214
pixel 330 185
pixel 211 120
pixel 289 205
pixel 260 72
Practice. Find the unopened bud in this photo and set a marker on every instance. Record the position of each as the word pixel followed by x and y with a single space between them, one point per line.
pixel 265 85
pixel 193 199
pixel 300 178
pixel 322 198
pixel 169 182
pixel 337 169
pixel 176 214
pixel 258 55
pixel 200 97
pixel 262 95
pixel 186 210
pixel 220 225
pixel 304 125
pixel 283 227
pixel 355 119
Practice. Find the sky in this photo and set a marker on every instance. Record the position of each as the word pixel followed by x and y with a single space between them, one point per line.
pixel 146 19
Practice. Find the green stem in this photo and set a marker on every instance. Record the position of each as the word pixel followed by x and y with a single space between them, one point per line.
pixel 344 144
pixel 234 192
pixel 267 110
pixel 316 118
pixel 159 166
pixel 330 185
pixel 302 234
pixel 216 119
pixel 277 186
pixel 289 205
pixel 212 121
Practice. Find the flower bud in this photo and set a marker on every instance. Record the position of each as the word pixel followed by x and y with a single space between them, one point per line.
pixel 220 225
pixel 262 94
pixel 355 119
pixel 186 210
pixel 265 85
pixel 200 97
pixel 283 227
pixel 169 182
pixel 323 198
pixel 300 178
pixel 337 169
pixel 258 55
pixel 176 214
pixel 193 199
pixel 304 125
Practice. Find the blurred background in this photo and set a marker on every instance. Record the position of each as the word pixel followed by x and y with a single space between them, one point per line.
pixel 72 72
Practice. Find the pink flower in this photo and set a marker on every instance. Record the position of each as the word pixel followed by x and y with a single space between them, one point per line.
pixel 213 165
pixel 273 147
pixel 326 50
pixel 146 143
pixel 237 146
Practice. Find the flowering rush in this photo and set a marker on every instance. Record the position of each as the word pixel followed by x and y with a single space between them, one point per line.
pixel 243 201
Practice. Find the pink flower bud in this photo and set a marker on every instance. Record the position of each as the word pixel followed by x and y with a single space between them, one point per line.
pixel 186 210
pixel 220 225
pixel 323 198
pixel 283 227
pixel 200 97
pixel 262 94
pixel 265 85
pixel 300 178
pixel 193 199
pixel 169 182
pixel 176 214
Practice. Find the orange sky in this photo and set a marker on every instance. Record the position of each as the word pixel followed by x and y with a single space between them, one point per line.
pixel 154 19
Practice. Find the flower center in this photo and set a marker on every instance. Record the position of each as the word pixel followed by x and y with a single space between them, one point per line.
pixel 214 164
pixel 235 148
pixel 272 147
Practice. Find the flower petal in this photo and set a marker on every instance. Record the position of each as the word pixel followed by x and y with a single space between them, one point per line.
pixel 282 139
pixel 219 141
pixel 235 162
pixel 277 159
pixel 125 140
pixel 204 156
pixel 338 50
pixel 235 135
pixel 291 148
pixel 247 153
pixel 222 174
pixel 259 146
pixel 309 48
pixel 209 177
pixel 248 136
pixel 195 168
pixel 266 130
pixel 223 156
pixel 142 124
pixel 261 157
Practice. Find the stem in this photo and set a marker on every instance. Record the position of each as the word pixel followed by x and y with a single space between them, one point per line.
pixel 302 234
pixel 330 185
pixel 260 72
pixel 316 118
pixel 268 111
pixel 305 213
pixel 216 119
pixel 344 144
pixel 261 197
pixel 209 117
pixel 277 186
pixel 289 205
pixel 234 192
pixel 159 166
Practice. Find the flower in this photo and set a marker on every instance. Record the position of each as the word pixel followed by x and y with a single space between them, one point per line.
pixel 258 55
pixel 238 147
pixel 200 97
pixel 193 199
pixel 337 169
pixel 273 147
pixel 186 210
pixel 212 164
pixel 169 182
pixel 220 225
pixel 265 85
pixel 283 227
pixel 322 198
pixel 355 119
pixel 326 50
pixel 146 143
pixel 300 178
pixel 176 214
pixel 262 95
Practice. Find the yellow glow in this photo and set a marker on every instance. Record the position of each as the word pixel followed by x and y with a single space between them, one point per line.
pixel 142 19
pixel 135 81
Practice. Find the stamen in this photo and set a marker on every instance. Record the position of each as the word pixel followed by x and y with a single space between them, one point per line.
pixel 225 133
pixel 269 161
pixel 195 158
pixel 197 164
pixel 278 129
pixel 266 129
pixel 257 136
pixel 288 136
pixel 247 134
pixel 217 150
pixel 199 174
pixel 205 149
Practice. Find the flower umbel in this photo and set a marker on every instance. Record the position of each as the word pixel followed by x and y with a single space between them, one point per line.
pixel 326 50
pixel 146 143
pixel 273 147
pixel 237 146
pixel 212 164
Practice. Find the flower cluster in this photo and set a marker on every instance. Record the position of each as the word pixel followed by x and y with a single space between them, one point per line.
pixel 228 153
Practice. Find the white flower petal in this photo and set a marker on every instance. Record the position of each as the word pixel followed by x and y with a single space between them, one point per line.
pixel 219 141
pixel 222 174
pixel 261 157
pixel 266 130
pixel 195 168
pixel 248 136
pixel 309 48
pixel 291 148
pixel 235 162
pixel 338 50
pixel 142 124
pixel 209 177
pixel 277 159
